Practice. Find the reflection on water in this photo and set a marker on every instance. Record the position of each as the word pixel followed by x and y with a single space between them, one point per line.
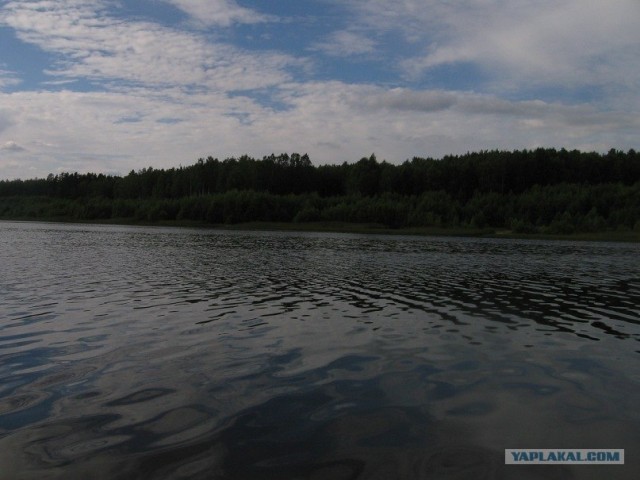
pixel 166 353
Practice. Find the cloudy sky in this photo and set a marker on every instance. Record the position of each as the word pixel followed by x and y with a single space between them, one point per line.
pixel 114 85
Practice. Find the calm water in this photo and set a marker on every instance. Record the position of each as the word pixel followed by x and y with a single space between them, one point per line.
pixel 156 353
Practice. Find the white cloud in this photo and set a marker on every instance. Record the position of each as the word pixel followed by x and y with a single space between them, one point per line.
pixel 332 121
pixel 220 12
pixel 362 119
pixel 93 45
pixel 117 131
pixel 7 79
pixel 345 44
pixel 11 146
pixel 517 43
pixel 5 119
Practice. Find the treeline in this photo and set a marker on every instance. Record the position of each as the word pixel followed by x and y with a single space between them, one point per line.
pixel 543 190
pixel 459 176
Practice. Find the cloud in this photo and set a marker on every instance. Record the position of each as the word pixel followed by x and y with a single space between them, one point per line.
pixel 345 44
pixel 92 44
pixel 93 131
pixel 397 101
pixel 332 121
pixel 361 118
pixel 402 99
pixel 5 119
pixel 11 146
pixel 517 44
pixel 220 12
pixel 8 79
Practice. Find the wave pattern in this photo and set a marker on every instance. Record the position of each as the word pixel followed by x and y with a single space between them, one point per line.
pixel 130 352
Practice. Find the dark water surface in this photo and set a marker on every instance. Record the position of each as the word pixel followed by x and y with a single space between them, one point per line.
pixel 129 352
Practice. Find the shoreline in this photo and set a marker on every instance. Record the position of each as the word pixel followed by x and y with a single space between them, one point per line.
pixel 627 236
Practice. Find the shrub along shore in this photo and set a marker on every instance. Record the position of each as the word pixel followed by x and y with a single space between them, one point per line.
pixel 538 192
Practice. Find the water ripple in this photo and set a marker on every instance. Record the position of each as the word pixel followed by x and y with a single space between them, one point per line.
pixel 130 352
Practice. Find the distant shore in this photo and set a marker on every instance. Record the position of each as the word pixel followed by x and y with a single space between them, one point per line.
pixel 354 228
pixel 545 193
pixel 338 227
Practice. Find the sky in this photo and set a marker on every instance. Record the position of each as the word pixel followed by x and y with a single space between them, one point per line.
pixel 108 86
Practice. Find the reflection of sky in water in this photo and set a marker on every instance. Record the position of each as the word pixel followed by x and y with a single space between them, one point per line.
pixel 276 355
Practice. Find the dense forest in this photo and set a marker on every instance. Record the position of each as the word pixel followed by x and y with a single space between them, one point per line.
pixel 529 191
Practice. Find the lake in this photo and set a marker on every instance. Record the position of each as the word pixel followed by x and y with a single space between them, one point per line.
pixel 153 353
